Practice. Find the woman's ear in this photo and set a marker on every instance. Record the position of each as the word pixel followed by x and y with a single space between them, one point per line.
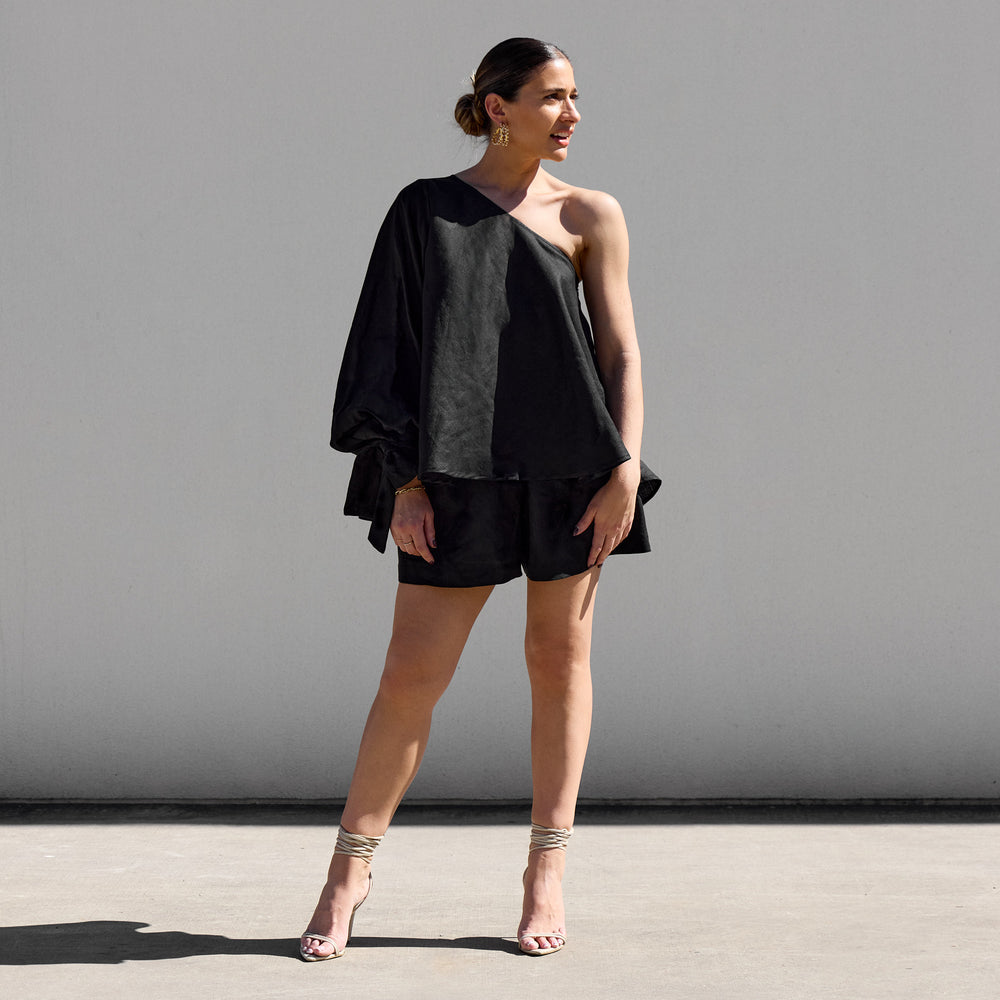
pixel 493 103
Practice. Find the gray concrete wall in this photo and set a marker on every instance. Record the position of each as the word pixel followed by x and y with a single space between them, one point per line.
pixel 189 194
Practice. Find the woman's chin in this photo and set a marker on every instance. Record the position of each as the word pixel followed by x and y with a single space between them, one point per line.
pixel 556 155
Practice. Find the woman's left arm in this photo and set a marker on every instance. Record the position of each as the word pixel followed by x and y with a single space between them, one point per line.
pixel 604 269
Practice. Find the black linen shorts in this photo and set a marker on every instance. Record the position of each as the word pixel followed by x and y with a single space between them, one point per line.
pixel 487 530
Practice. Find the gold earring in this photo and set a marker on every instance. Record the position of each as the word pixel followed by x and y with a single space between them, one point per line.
pixel 501 136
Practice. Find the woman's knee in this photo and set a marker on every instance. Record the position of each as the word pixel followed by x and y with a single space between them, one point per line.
pixel 414 674
pixel 556 659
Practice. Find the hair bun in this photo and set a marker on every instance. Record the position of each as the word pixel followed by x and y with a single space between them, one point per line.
pixel 469 117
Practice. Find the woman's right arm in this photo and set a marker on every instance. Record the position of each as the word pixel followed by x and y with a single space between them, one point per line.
pixel 377 402
pixel 412 525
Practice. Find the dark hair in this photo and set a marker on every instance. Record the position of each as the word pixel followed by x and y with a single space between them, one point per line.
pixel 505 69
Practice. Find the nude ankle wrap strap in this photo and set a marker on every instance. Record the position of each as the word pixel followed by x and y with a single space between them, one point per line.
pixel 356 845
pixel 545 837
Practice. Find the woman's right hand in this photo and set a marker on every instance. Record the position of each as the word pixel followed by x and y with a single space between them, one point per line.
pixel 412 525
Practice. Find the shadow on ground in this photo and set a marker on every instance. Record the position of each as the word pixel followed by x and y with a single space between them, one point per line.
pixel 111 942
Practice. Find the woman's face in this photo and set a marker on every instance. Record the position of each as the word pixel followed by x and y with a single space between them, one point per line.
pixel 542 118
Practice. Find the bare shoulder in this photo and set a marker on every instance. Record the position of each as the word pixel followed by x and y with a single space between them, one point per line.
pixel 596 215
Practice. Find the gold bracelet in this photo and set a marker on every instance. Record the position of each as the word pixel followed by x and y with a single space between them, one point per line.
pixel 407 489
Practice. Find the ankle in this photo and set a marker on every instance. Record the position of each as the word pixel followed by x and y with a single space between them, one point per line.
pixel 351 863
pixel 356 845
pixel 547 838
pixel 348 871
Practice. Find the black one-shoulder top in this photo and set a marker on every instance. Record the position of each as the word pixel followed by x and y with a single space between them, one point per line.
pixel 469 357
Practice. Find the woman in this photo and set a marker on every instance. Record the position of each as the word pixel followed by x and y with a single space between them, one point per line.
pixel 492 431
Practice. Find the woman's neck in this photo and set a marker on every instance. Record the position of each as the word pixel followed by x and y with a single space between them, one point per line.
pixel 501 174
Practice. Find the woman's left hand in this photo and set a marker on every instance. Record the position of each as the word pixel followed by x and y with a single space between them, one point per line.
pixel 610 511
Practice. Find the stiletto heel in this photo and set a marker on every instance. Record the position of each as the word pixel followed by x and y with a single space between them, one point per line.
pixel 545 838
pixel 356 846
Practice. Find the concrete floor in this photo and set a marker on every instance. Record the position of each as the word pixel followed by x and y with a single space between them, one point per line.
pixel 171 902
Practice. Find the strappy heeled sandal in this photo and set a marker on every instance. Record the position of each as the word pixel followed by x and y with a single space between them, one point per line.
pixel 545 838
pixel 356 846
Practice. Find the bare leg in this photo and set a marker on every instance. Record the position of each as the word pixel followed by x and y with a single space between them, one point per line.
pixel 557 652
pixel 430 628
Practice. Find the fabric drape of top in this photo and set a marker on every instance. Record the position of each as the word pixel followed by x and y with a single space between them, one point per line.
pixel 469 357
